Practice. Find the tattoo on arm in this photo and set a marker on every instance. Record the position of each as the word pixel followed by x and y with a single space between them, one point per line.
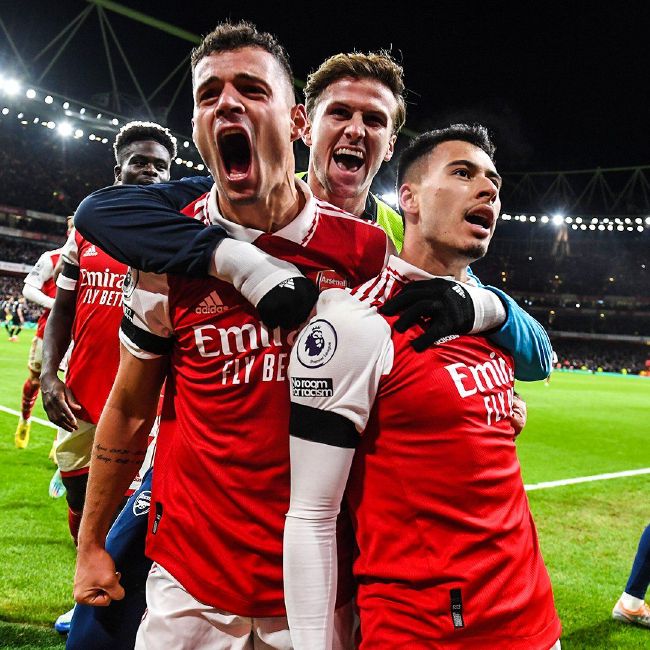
pixel 119 456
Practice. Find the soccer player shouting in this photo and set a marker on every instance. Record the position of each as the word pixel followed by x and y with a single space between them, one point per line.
pixel 217 577
pixel 448 552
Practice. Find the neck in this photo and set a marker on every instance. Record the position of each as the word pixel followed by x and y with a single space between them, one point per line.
pixel 436 262
pixel 269 213
pixel 354 204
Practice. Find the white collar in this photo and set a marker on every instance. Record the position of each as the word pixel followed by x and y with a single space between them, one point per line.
pixel 295 231
pixel 406 270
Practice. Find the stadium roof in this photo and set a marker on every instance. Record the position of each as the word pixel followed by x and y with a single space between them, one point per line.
pixel 561 86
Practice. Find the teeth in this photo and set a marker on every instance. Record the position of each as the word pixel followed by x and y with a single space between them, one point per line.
pixel 230 131
pixel 349 152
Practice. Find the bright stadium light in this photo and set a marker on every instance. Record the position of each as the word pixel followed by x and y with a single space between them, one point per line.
pixel 200 167
pixel 558 219
pixel 114 121
pixel 11 86
pixel 49 99
pixel 30 94
pixel 78 133
pixel 186 144
pixel 65 129
pixel 179 161
pixel 51 125
pixel 82 111
pixel 544 219
pixel 5 111
pixel 66 106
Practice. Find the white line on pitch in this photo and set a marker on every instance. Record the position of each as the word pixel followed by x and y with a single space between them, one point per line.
pixel 586 479
pixel 45 423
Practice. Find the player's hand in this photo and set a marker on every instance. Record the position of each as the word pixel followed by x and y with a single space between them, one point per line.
pixel 283 296
pixel 59 402
pixel 289 303
pixel 445 305
pixel 96 582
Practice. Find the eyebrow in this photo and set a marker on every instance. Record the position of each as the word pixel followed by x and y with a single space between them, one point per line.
pixel 155 159
pixel 242 76
pixel 490 173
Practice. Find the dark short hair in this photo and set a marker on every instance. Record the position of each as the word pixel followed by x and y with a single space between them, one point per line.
pixel 425 143
pixel 379 66
pixel 137 131
pixel 229 36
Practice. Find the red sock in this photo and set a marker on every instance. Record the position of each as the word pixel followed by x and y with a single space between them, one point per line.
pixel 74 521
pixel 30 393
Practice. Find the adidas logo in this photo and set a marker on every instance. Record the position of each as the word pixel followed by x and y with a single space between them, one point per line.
pixel 90 252
pixel 212 304
pixel 459 290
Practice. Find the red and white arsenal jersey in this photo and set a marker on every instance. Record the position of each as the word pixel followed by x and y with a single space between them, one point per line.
pixel 221 486
pixel 448 551
pixel 95 353
pixel 41 277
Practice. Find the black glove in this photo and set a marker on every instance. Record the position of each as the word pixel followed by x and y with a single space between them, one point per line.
pixel 288 304
pixel 445 306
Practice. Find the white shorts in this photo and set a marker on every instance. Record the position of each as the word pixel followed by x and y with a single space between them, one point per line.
pixel 74 447
pixel 175 619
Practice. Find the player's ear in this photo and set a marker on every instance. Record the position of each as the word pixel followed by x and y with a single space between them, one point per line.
pixel 391 148
pixel 306 134
pixel 117 170
pixel 408 198
pixel 298 121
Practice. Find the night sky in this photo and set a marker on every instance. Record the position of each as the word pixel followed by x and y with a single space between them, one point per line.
pixel 562 85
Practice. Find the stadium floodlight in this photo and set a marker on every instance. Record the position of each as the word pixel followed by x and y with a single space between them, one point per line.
pixel 99 116
pixel 91 136
pixel 10 86
pixel 104 140
pixel 179 161
pixel 639 228
pixel 78 133
pixel 533 218
pixel 647 220
pixel 66 106
pixel 36 120
pixel 189 163
pixel 65 129
pixel 20 116
pixel 186 144
pixel 544 219
pixel 5 111
pixel 390 198
pixel 82 110
pixel 200 167
pixel 30 94
pixel 558 219
pixel 48 99
pixel 114 121
pixel 51 125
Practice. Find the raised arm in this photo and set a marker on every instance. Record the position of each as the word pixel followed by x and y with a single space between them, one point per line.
pixel 452 307
pixel 142 226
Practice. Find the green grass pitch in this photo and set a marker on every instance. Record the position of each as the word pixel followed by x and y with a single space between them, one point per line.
pixel 579 425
